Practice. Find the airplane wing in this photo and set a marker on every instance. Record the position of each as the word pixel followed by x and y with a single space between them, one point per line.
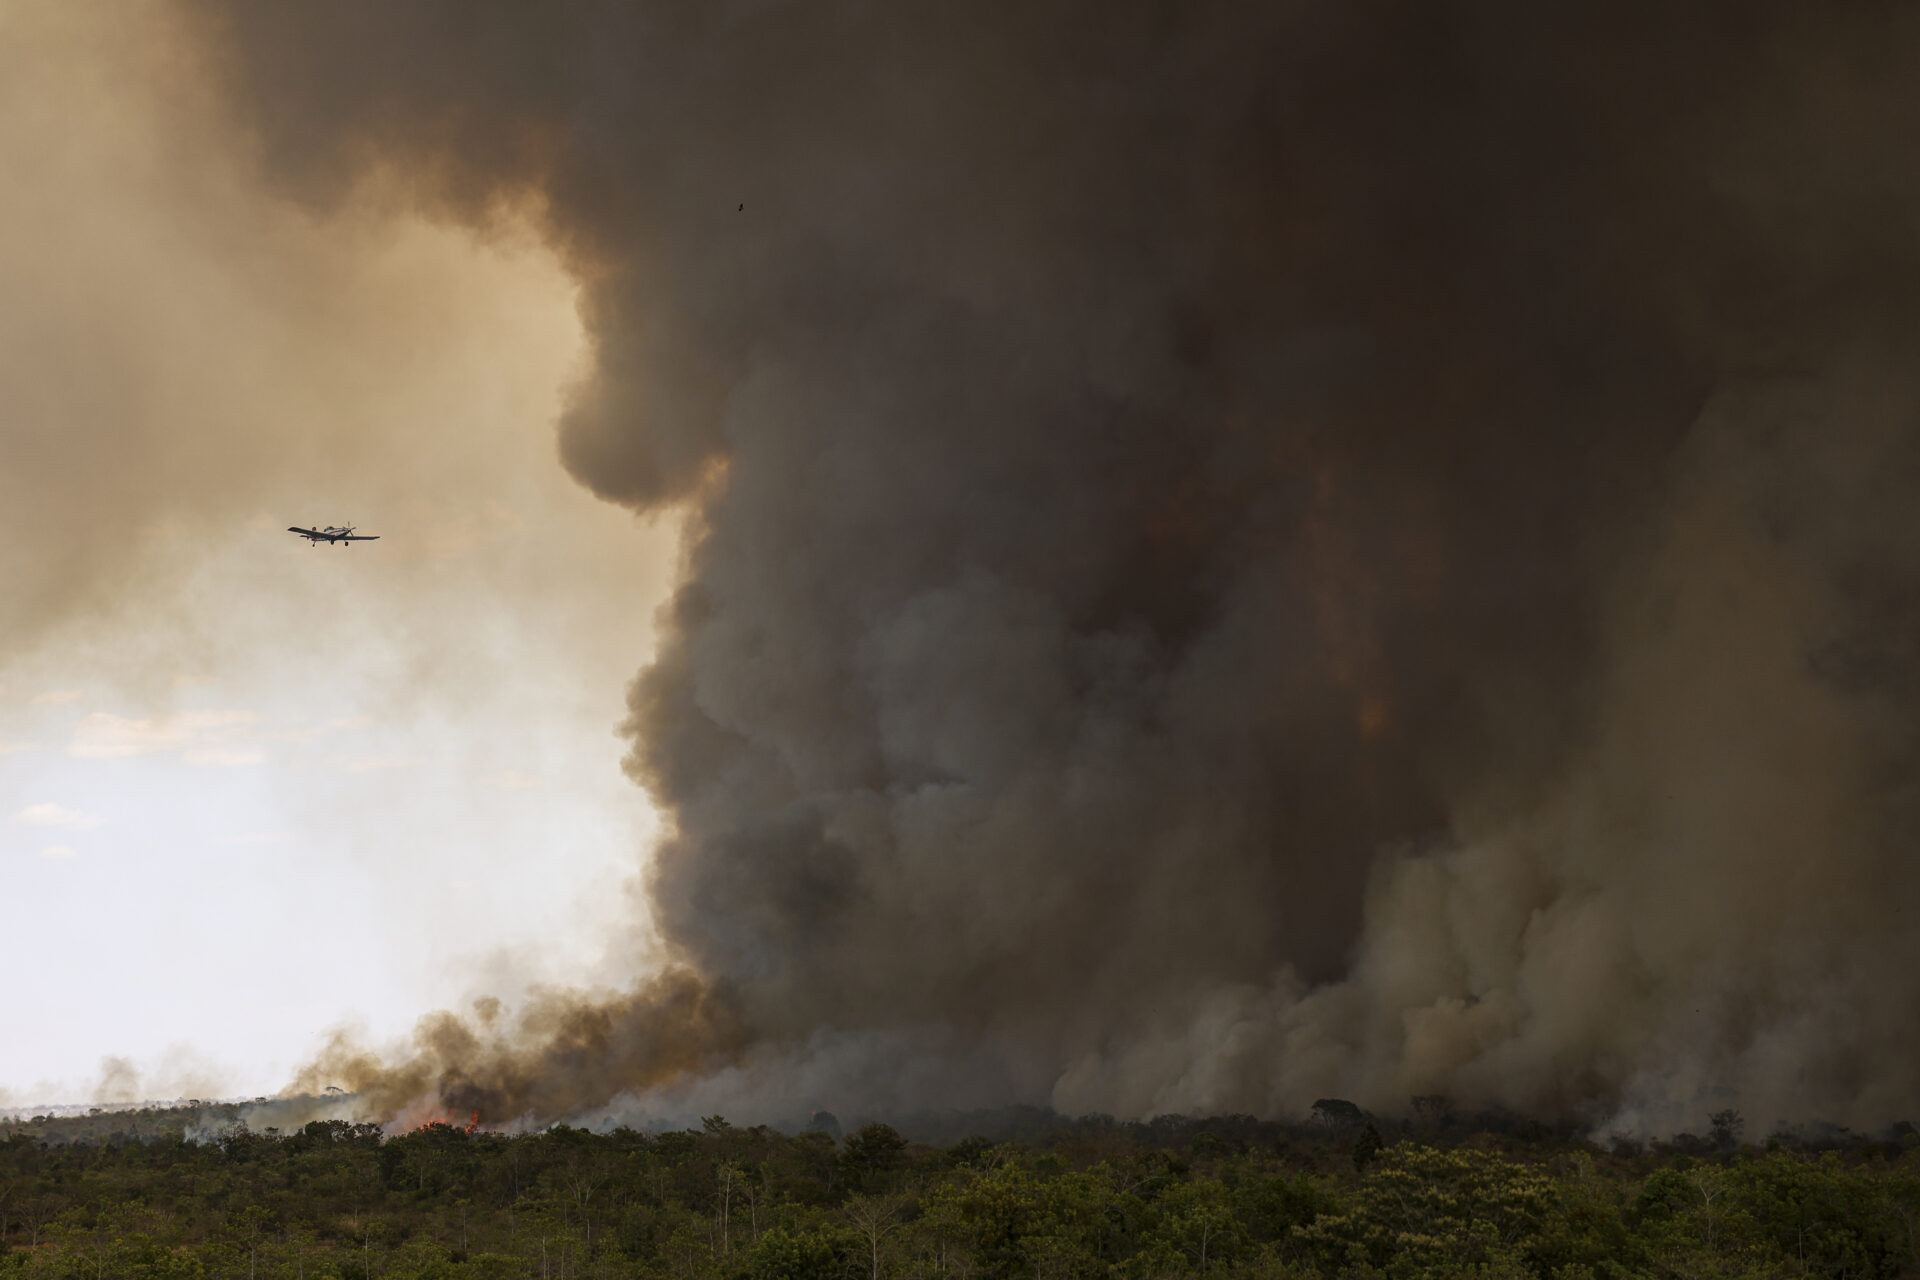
pixel 311 533
pixel 360 537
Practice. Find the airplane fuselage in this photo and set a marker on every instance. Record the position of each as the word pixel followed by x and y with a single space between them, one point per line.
pixel 332 534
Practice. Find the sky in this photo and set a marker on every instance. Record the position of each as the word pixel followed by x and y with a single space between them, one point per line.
pixel 251 790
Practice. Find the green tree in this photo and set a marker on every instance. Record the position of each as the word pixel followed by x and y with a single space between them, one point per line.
pixel 1196 1224
pixel 1428 1213
pixel 993 1213
pixel 780 1254
pixel 1366 1148
pixel 871 1156
pixel 874 1221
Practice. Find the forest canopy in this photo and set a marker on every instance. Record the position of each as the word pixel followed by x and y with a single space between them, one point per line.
pixel 129 1196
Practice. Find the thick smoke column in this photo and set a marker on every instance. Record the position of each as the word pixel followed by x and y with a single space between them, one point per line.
pixel 1238 552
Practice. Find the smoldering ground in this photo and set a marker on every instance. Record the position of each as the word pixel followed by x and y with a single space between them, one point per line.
pixel 1236 552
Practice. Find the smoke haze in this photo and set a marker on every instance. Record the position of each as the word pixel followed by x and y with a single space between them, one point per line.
pixel 249 790
pixel 1235 553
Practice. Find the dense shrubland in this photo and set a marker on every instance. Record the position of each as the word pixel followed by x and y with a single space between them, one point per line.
pixel 127 1198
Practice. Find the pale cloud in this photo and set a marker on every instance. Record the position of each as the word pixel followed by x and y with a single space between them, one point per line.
pixel 10 745
pixel 57 697
pixel 200 737
pixel 53 815
pixel 361 764
pixel 513 780
pixel 224 756
pixel 58 852
pixel 252 838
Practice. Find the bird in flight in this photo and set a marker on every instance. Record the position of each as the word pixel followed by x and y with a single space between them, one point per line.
pixel 332 533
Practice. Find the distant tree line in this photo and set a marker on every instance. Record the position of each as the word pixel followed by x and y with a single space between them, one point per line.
pixel 124 1196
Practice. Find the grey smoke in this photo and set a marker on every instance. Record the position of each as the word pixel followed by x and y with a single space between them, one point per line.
pixel 1237 553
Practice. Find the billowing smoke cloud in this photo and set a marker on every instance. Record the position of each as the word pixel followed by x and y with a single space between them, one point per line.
pixel 562 1051
pixel 1238 552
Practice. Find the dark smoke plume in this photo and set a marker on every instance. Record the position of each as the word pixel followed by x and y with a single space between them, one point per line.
pixel 1237 552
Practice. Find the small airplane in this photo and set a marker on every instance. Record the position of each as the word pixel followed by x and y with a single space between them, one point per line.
pixel 332 533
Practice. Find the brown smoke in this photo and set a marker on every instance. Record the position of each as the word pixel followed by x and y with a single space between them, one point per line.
pixel 564 1047
pixel 1239 552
